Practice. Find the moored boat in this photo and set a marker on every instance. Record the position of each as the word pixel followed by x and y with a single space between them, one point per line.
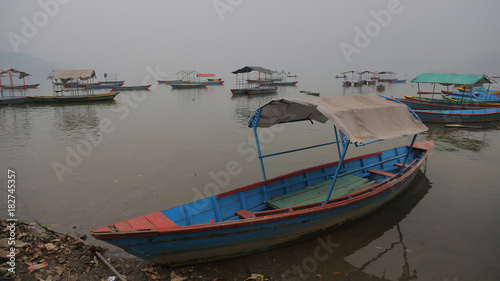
pixel 286 208
pixel 73 99
pixel 245 85
pixel 443 104
pixel 192 85
pixel 459 115
pixel 130 88
pixel 64 94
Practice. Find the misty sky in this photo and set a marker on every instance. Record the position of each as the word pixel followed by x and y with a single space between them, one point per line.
pixel 223 35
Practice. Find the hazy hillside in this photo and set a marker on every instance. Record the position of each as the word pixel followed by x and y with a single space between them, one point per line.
pixel 35 66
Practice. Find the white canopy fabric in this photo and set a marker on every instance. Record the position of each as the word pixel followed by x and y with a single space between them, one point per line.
pixel 66 75
pixel 362 118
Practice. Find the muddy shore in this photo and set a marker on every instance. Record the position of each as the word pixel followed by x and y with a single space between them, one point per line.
pixel 32 252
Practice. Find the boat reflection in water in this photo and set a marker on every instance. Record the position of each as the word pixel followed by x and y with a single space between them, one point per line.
pixel 455 137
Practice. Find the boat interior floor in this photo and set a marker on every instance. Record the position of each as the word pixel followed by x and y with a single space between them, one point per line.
pixel 344 185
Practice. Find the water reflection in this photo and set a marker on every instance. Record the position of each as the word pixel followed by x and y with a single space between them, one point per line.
pixel 245 106
pixel 348 252
pixel 16 125
pixel 472 138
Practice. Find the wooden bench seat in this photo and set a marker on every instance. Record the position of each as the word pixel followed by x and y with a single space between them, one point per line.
pixel 382 173
pixel 344 185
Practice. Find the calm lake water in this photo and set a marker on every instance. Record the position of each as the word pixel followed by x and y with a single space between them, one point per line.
pixel 81 167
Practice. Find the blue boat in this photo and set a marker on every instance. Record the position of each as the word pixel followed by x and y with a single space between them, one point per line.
pixel 192 85
pixel 288 207
pixel 459 116
pixel 478 96
pixel 130 88
pixel 103 86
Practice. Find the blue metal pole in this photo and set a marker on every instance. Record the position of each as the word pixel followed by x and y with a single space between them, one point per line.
pixel 260 154
pixel 341 160
pixel 407 155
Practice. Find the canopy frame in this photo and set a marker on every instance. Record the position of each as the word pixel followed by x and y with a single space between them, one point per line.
pixel 341 141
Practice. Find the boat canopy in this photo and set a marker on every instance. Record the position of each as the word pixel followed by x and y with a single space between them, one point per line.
pixel 361 118
pixel 67 75
pixel 247 69
pixel 205 75
pixel 21 74
pixel 452 79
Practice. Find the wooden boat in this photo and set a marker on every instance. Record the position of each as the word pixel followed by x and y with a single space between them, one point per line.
pixel 397 80
pixel 489 91
pixel 20 86
pixel 130 88
pixel 260 91
pixel 245 86
pixel 279 83
pixel 340 76
pixel 210 81
pixel 13 100
pixel 310 93
pixel 442 104
pixel 459 116
pixel 239 91
pixel 103 86
pixel 188 86
pixel 478 96
pixel 380 88
pixel 289 207
pixel 73 99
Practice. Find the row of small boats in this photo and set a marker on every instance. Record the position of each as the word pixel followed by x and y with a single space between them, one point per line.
pixel 455 106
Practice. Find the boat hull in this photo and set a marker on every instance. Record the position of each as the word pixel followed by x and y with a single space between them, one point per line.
pixel 72 99
pixel 14 100
pixel 459 116
pixel 130 88
pixel 188 86
pixel 440 104
pixel 175 245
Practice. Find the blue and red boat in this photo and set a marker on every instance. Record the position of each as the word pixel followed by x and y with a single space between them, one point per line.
pixel 130 88
pixel 288 207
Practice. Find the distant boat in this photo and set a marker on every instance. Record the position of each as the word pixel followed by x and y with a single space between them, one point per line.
pixel 73 99
pixel 188 86
pixel 13 100
pixel 341 76
pixel 246 86
pixel 310 93
pixel 103 86
pixel 130 88
pixel 257 90
pixel 20 86
pixel 210 81
pixel 172 82
pixel 278 83
pixel 397 81
pixel 63 94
